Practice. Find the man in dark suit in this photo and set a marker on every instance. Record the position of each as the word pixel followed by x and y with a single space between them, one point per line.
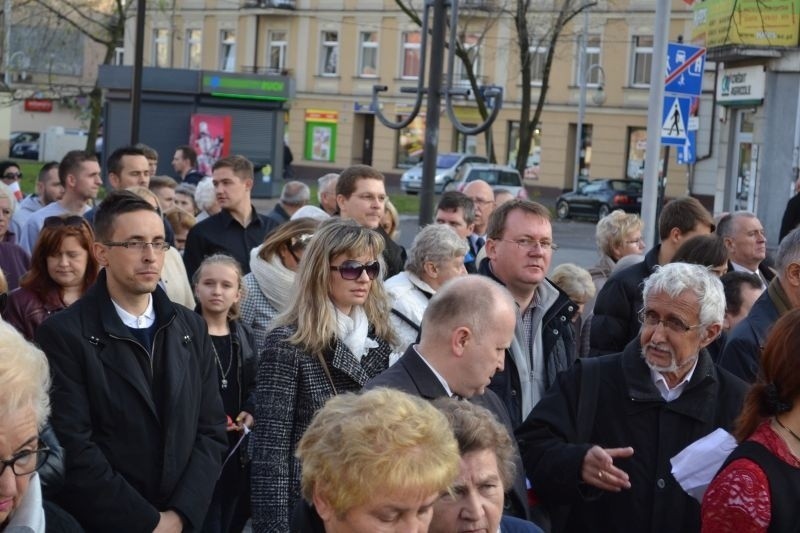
pixel 136 403
pixel 466 328
pixel 746 242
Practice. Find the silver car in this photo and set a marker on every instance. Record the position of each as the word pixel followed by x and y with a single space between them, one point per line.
pixel 447 166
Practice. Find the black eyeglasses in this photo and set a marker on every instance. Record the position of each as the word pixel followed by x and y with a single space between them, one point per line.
pixel 140 246
pixel 26 462
pixel 73 221
pixel 12 176
pixel 351 270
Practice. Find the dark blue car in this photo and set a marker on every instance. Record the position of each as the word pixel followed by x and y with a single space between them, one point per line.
pixel 598 197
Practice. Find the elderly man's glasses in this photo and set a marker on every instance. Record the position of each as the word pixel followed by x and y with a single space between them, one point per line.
pixel 651 319
pixel 351 270
pixel 25 462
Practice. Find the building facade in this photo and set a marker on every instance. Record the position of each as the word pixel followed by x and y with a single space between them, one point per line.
pixel 335 51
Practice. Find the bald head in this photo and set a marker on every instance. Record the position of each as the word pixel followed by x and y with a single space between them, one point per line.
pixel 466 329
pixel 482 196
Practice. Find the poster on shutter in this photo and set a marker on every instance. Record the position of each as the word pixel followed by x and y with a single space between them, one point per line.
pixel 210 137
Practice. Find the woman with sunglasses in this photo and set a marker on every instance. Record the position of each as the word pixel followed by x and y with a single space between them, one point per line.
pixel 268 286
pixel 62 268
pixel 334 336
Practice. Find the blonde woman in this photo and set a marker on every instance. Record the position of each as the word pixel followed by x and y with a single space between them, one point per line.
pixel 333 337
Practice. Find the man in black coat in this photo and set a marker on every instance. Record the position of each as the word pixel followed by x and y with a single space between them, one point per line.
pixel 467 326
pixel 614 323
pixel 135 399
pixel 601 439
pixel 791 217
pixel 743 347
pixel 746 242
pixel 361 196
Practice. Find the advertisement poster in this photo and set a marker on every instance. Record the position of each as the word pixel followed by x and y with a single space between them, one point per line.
pixel 321 135
pixel 210 137
pixel 748 22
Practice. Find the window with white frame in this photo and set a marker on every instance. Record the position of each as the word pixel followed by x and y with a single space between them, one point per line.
pixel 227 50
pixel 470 44
pixel 592 58
pixel 642 60
pixel 194 49
pixel 160 47
pixel 538 57
pixel 278 45
pixel 329 53
pixel 411 55
pixel 368 54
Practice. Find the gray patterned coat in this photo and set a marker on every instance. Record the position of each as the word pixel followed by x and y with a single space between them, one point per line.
pixel 292 386
pixel 256 311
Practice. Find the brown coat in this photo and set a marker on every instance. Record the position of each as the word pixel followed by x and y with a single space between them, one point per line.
pixel 25 310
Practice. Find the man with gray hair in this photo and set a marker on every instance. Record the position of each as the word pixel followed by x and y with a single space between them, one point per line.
pixel 741 353
pixel 601 439
pixel 466 328
pixel 436 256
pixel 746 242
pixel 326 192
pixel 294 195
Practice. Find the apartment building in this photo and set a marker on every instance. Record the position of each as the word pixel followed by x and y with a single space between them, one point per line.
pixel 335 51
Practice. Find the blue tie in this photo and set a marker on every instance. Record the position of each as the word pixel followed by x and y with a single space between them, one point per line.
pixel 479 242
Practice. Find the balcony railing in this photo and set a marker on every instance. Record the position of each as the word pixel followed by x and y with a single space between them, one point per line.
pixel 268 4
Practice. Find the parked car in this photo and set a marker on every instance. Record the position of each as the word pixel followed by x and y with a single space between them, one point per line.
pixel 447 165
pixel 497 176
pixel 24 145
pixel 599 197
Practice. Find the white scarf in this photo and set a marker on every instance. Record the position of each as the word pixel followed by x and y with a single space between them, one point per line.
pixel 274 279
pixel 353 332
pixel 29 516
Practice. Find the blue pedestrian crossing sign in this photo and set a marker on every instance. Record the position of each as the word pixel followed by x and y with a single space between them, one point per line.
pixel 674 123
pixel 685 66
pixel 686 154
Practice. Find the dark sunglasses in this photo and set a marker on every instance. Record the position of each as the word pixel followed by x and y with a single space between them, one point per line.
pixel 73 221
pixel 351 270
pixel 12 175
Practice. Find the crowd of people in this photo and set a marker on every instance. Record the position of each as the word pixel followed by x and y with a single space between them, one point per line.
pixel 173 360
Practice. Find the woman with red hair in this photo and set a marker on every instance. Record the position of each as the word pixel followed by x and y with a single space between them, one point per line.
pixel 63 266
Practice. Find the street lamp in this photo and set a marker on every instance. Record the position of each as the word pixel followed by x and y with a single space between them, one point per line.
pixel 599 98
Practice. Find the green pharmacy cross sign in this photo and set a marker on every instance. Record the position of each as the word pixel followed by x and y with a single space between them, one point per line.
pixel 246 88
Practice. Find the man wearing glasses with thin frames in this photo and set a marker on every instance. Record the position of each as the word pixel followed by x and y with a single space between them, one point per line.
pixel 135 399
pixel 519 250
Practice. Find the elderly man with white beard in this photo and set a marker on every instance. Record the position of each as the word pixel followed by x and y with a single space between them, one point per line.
pixel 597 447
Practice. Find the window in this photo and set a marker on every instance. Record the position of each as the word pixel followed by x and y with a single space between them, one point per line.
pixel 194 40
pixel 227 50
pixel 368 62
pixel 642 60
pixel 538 56
pixel 160 47
pixel 276 54
pixel 470 44
pixel 411 54
pixel 119 56
pixel 592 58
pixel 329 54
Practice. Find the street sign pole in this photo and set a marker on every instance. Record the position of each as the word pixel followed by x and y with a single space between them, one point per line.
pixel 654 121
